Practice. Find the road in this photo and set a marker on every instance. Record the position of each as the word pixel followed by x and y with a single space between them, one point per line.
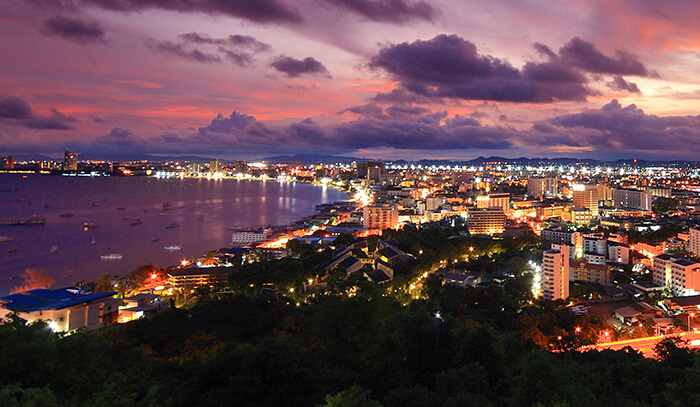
pixel 646 345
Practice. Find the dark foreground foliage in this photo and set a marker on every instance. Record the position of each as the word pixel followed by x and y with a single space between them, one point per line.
pixel 365 350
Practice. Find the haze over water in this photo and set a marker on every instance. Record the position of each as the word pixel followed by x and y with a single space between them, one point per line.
pixel 204 209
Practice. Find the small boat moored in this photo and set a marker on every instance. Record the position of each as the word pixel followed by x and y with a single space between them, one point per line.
pixel 112 256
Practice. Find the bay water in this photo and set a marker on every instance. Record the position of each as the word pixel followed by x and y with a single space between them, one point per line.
pixel 136 217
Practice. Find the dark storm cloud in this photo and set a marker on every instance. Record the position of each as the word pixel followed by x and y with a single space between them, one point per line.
pixel 74 30
pixel 618 129
pixel 390 11
pixel 449 66
pixel 258 11
pixel 294 67
pixel 171 48
pixel 619 83
pixel 15 111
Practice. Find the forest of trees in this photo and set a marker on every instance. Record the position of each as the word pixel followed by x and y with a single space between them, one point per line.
pixel 364 350
pixel 359 344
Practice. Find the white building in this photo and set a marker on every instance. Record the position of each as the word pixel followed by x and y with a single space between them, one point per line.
pixel 555 273
pixel 248 237
pixel 632 198
pixel 681 276
pixel 65 310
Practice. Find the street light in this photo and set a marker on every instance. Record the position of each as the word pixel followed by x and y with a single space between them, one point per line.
pixel 578 330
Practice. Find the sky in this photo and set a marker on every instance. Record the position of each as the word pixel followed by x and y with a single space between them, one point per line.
pixel 375 79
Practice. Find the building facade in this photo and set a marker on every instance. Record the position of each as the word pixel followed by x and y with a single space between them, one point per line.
pixel 486 221
pixel 380 217
pixel 555 273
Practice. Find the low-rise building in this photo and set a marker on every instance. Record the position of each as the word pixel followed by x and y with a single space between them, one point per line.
pixel 194 277
pixel 589 272
pixel 65 310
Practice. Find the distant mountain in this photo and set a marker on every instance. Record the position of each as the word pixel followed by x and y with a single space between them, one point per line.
pixel 309 159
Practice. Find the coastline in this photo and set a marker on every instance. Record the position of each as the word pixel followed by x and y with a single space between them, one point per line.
pixel 205 211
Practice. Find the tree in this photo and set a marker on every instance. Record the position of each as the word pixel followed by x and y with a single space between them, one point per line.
pixel 355 396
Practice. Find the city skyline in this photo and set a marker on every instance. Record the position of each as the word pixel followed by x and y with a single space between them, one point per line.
pixel 386 79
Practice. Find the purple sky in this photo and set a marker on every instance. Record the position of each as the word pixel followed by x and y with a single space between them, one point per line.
pixel 387 79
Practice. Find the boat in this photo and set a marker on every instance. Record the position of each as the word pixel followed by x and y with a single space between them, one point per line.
pixel 173 226
pixel 167 206
pixel 67 215
pixel 96 203
pixel 112 256
pixel 173 248
pixel 135 222
pixel 53 249
pixel 146 210
pixel 23 220
pixel 155 238
pixel 121 208
pixel 93 240
pixel 5 239
pixel 90 225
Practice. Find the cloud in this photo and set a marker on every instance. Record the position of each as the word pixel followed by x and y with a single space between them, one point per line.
pixel 119 133
pixel 619 83
pixel 242 59
pixel 238 49
pixel 74 30
pixel 586 56
pixel 618 129
pixel 295 67
pixel 390 11
pixel 449 66
pixel 238 41
pixel 13 107
pixel 408 129
pixel 15 111
pixel 257 11
pixel 171 48
pixel 392 112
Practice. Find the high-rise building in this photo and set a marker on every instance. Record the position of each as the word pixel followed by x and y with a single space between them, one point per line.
pixel 694 241
pixel 632 198
pixel 216 166
pixel 555 273
pixel 70 161
pixel 586 196
pixel 380 217
pixel 537 187
pixel 370 170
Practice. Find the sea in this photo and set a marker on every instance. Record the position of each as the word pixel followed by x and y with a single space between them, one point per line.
pixel 137 218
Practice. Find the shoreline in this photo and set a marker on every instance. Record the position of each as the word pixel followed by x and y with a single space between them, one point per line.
pixel 77 252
